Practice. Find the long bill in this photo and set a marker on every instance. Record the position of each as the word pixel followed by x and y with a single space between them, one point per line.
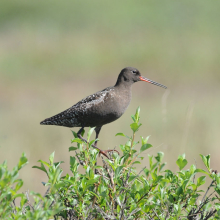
pixel 152 82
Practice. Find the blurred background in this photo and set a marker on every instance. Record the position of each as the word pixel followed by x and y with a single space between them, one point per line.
pixel 54 53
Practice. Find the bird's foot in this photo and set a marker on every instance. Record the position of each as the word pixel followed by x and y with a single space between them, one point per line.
pixel 104 152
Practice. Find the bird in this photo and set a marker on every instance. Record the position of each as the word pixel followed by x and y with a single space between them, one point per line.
pixel 102 107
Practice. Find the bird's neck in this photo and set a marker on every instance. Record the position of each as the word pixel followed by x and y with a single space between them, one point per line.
pixel 123 83
pixel 123 89
pixel 122 96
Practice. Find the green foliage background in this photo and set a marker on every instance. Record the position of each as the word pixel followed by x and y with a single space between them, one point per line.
pixel 54 53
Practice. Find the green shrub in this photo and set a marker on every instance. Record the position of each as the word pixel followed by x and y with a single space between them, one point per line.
pixel 42 208
pixel 115 189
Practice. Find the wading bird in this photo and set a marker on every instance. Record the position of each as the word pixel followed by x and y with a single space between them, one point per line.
pixel 102 107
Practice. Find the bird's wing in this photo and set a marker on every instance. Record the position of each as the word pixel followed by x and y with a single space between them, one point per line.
pixel 73 116
pixel 91 100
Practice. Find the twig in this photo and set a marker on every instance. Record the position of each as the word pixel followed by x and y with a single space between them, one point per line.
pixel 194 175
pixel 156 214
pixel 207 191
pixel 144 195
pixel 129 185
pixel 104 214
pixel 80 161
pixel 133 212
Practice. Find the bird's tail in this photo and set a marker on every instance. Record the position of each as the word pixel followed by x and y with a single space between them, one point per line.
pixel 46 121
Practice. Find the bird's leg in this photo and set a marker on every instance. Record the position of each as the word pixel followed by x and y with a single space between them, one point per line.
pixel 104 152
pixel 83 139
pixel 80 136
pixel 97 130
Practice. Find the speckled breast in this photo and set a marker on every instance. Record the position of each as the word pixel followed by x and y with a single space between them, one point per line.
pixel 108 109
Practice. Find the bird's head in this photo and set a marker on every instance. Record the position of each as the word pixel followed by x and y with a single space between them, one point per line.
pixel 130 75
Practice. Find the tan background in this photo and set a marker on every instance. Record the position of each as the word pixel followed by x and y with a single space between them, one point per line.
pixel 54 53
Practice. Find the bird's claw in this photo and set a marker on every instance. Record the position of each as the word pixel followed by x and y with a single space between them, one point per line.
pixel 104 152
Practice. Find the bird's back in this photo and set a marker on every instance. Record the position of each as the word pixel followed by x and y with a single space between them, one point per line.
pixel 95 110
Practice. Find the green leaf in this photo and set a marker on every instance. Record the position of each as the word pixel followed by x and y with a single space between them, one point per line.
pixel 118 170
pixel 74 134
pixel 137 113
pixel 98 167
pixel 150 160
pixel 41 168
pixel 136 117
pixel 18 195
pixel 179 190
pixel 73 161
pixel 23 161
pixel 44 162
pixel 201 180
pixel 90 133
pixel 56 164
pixel 122 147
pixel 192 168
pixel 84 183
pixel 72 148
pixel 162 166
pixel 91 182
pixel 217 179
pixel 51 158
pixel 146 171
pixel 91 142
pixel 206 161
pixel 23 200
pixel 185 184
pixel 120 134
pixel 141 157
pixel 83 132
pixel 73 164
pixel 201 171
pixel 182 156
pixel 145 147
pixel 78 140
pixel 135 126
pixel 133 118
pixel 137 162
pixel 144 141
pixel 194 186
pixel 192 201
pixel 159 156
pixel 217 190
pixel 18 185
pixel 131 178
pixel 159 178
pixel 181 162
pixel 94 194
pixel 154 176
pixel 91 174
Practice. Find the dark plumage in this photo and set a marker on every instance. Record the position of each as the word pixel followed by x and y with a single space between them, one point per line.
pixel 102 107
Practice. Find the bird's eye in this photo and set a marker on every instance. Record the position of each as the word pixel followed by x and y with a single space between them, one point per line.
pixel 134 71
